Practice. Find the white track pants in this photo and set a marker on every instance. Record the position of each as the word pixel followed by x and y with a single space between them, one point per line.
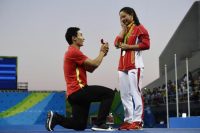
pixel 130 92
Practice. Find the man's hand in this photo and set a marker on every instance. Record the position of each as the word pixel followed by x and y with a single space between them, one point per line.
pixel 104 48
pixel 92 64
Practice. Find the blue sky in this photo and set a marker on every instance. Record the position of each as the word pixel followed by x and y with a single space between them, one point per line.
pixel 33 30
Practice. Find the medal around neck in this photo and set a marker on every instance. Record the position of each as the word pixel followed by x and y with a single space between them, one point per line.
pixel 123 53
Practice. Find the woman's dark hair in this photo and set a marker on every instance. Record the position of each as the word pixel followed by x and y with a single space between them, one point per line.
pixel 131 12
pixel 72 31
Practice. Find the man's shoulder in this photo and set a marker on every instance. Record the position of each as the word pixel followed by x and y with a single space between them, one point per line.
pixel 73 52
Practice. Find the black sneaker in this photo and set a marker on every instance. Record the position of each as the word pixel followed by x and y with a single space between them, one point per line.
pixel 50 123
pixel 102 127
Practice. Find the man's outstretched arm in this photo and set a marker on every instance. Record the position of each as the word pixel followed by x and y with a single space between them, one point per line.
pixel 91 65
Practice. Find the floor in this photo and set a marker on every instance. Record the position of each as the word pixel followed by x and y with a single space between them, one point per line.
pixel 41 129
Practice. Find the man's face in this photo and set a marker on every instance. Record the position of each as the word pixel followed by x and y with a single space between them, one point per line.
pixel 125 18
pixel 79 39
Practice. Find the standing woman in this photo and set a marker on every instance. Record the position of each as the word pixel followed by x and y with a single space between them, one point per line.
pixel 132 40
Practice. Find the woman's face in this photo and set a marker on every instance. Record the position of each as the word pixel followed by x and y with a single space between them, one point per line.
pixel 125 18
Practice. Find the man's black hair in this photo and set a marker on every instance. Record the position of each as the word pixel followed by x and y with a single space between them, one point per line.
pixel 72 31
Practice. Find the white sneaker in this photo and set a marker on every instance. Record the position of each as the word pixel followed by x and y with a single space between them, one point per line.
pixel 102 127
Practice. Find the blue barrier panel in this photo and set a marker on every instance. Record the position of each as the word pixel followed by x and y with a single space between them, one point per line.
pixel 188 122
pixel 29 108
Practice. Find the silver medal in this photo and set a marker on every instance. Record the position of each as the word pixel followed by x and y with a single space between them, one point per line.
pixel 123 53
